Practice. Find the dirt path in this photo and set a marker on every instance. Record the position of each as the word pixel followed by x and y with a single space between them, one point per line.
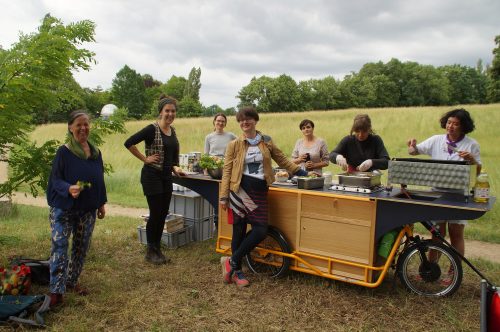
pixel 474 249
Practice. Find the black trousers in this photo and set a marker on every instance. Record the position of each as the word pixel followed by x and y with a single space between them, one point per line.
pixel 158 211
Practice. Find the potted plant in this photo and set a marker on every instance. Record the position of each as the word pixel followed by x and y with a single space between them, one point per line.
pixel 213 165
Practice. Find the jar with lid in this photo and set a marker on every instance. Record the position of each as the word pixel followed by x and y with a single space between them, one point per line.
pixel 482 188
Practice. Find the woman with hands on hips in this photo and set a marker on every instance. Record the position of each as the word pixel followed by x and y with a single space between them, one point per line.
pixel 310 152
pixel 362 150
pixel 160 161
pixel 76 193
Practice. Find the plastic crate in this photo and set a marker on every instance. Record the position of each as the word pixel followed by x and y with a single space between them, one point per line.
pixel 202 229
pixel 190 205
pixel 170 240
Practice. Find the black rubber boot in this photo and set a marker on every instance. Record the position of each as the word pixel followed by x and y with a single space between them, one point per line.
pixel 152 256
pixel 164 259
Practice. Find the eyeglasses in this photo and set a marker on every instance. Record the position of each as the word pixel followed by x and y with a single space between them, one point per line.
pixel 247 120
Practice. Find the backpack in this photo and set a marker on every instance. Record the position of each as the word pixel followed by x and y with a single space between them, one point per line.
pixel 40 270
pixel 19 309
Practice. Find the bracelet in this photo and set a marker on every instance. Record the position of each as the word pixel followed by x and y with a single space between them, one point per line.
pixel 223 199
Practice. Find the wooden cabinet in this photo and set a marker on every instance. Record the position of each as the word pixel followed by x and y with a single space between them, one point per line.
pixel 340 228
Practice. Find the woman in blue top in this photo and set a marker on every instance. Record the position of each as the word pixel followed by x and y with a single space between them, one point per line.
pixel 75 194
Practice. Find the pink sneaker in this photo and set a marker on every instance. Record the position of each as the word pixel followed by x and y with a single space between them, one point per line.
pixel 226 269
pixel 239 279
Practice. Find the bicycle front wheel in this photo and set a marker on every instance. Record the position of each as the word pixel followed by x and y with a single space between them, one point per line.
pixel 430 269
pixel 273 265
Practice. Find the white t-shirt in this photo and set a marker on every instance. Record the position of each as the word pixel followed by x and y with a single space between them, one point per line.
pixel 253 163
pixel 437 148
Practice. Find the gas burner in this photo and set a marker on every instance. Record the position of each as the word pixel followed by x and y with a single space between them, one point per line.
pixel 353 189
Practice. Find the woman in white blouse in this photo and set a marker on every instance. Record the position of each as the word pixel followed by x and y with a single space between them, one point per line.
pixel 310 152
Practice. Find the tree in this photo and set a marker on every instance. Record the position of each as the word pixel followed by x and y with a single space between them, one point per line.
pixel 494 74
pixel 188 107
pixel 127 90
pixel 29 71
pixel 175 87
pixel 193 85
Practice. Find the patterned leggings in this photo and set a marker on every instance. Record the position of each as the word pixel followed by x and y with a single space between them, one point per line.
pixel 63 223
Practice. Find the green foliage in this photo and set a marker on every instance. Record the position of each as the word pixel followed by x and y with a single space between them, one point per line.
pixel 33 75
pixel 175 87
pixel 193 85
pixel 494 74
pixel 211 162
pixel 128 91
pixel 95 99
pixel 188 108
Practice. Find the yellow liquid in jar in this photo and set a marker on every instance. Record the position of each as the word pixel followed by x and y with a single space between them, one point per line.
pixel 482 192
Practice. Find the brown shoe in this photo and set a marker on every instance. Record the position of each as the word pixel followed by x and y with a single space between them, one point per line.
pixel 78 289
pixel 55 300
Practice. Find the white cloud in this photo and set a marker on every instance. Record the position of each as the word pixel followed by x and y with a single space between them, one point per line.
pixel 233 41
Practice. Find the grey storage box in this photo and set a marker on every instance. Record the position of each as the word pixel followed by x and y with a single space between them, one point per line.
pixel 170 240
pixel 190 205
pixel 202 229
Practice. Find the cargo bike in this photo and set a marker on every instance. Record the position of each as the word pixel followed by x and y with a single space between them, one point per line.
pixel 334 233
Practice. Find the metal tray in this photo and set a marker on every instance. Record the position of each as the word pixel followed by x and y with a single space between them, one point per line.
pixel 310 183
pixel 360 179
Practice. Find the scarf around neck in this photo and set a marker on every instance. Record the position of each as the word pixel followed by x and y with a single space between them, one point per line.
pixel 255 140
pixel 76 148
pixel 452 145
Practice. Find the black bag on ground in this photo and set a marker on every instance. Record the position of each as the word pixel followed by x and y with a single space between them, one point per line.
pixel 40 270
pixel 24 309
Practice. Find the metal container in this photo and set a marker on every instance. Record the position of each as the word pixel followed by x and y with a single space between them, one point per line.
pixel 310 183
pixel 360 179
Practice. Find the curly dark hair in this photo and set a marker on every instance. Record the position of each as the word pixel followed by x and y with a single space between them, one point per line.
pixel 247 112
pixel 466 122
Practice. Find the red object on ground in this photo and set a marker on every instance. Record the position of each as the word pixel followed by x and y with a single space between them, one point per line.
pixel 494 314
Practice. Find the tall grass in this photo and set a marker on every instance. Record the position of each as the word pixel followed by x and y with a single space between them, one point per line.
pixel 394 125
pixel 188 294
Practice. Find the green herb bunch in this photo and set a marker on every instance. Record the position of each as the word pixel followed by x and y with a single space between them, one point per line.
pixel 211 162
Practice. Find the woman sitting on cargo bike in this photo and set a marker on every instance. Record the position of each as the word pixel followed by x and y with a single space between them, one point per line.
pixel 247 174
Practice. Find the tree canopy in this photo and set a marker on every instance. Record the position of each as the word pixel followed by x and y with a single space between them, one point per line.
pixel 36 77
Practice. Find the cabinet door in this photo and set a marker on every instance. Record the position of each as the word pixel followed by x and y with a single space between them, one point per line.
pixel 340 228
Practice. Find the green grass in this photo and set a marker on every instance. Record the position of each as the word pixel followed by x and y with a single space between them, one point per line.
pixel 188 295
pixel 394 125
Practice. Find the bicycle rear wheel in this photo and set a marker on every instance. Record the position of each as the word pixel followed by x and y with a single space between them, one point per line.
pixel 272 265
pixel 440 277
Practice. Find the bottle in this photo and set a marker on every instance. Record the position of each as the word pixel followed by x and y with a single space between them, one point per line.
pixel 482 188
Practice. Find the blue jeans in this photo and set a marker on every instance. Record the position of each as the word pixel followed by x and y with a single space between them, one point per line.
pixel 65 271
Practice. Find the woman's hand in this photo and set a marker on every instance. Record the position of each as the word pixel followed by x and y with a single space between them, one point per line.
pixel 467 156
pixel 154 158
pixel 310 165
pixel 341 161
pixel 74 190
pixel 365 165
pixel 223 203
pixel 178 171
pixel 412 146
pixel 101 212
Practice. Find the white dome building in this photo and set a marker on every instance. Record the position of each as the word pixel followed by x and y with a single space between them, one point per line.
pixel 108 110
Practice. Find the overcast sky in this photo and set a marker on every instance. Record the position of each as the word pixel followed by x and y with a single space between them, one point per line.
pixel 233 41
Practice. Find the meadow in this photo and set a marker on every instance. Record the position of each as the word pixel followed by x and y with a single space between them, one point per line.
pixel 394 125
pixel 188 295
